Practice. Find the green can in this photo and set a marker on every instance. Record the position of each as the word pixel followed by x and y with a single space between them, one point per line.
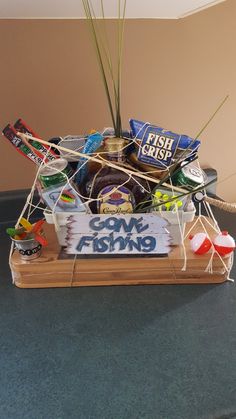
pixel 190 176
pixel 54 173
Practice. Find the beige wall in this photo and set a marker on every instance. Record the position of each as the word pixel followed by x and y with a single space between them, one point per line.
pixel 175 74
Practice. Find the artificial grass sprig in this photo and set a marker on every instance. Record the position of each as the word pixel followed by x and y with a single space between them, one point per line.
pixel 104 59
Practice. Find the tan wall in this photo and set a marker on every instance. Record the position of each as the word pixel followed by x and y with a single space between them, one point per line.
pixel 175 74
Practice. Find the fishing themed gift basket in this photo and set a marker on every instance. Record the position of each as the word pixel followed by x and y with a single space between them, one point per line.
pixel 118 207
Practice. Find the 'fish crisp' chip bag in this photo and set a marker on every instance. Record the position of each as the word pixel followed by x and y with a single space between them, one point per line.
pixel 160 148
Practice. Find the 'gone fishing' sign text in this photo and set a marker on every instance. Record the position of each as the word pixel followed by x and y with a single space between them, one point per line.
pixel 121 234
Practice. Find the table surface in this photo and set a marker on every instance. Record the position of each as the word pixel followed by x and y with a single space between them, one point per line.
pixel 165 351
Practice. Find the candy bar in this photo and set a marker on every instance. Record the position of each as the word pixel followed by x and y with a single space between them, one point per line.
pixel 40 149
pixel 11 134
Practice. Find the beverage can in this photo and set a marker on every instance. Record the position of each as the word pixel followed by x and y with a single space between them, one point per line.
pixel 190 175
pixel 54 173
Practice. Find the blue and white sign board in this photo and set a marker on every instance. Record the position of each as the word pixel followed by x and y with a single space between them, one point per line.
pixel 120 234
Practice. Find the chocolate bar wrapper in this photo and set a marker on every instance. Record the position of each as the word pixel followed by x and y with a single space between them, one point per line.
pixel 11 134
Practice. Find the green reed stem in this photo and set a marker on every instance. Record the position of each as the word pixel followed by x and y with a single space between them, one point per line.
pixel 103 55
pixel 89 17
pixel 212 116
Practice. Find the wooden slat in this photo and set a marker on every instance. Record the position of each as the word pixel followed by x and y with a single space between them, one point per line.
pixel 49 271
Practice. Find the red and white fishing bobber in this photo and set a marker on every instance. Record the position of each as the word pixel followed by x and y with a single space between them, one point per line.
pixel 224 244
pixel 200 243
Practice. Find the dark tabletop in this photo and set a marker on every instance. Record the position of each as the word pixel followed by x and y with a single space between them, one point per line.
pixel 166 351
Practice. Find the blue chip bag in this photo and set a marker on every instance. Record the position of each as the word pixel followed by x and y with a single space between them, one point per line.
pixel 159 147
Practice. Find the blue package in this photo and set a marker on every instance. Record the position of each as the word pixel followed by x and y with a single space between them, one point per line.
pixel 158 146
pixel 93 142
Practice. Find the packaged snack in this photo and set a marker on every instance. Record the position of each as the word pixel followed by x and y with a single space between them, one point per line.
pixel 40 149
pixel 92 144
pixel 158 147
pixel 11 134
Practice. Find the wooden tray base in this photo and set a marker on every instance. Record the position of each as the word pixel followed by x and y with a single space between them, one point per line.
pixel 48 271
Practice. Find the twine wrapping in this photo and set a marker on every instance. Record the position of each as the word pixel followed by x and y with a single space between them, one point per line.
pixel 225 206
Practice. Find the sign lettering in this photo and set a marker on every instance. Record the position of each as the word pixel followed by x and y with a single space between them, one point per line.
pixel 130 233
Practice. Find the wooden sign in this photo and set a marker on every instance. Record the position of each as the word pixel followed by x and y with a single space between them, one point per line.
pixel 120 234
